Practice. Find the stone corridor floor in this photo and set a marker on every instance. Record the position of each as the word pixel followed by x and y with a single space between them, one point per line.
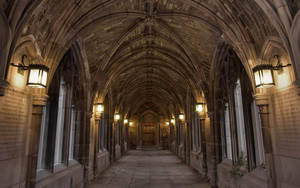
pixel 145 169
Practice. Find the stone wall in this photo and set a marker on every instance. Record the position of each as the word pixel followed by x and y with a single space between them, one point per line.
pixel 286 136
pixel 102 162
pixel 65 177
pixel 15 110
pixel 254 179
pixel 197 162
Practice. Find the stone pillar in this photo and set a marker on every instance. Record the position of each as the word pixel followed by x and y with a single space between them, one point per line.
pixel 203 144
pixel 90 149
pixel 188 128
pixel 140 137
pixel 5 40
pixel 3 85
pixel 262 102
pixel 97 138
pixel 212 150
pixel 39 100
pixel 157 135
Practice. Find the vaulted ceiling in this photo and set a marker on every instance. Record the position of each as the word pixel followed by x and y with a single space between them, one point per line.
pixel 152 52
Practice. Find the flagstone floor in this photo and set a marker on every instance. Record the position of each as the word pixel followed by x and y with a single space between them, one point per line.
pixel 149 169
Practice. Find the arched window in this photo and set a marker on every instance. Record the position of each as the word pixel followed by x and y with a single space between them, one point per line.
pixel 60 124
pixel 239 120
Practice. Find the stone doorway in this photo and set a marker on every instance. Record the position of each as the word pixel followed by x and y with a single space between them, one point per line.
pixel 148 135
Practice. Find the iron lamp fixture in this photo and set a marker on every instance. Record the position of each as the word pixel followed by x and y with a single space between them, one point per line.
pixel 167 123
pixel 37 76
pixel 263 74
pixel 130 123
pixel 125 121
pixel 200 107
pixel 99 107
pixel 181 116
pixel 117 117
pixel 38 73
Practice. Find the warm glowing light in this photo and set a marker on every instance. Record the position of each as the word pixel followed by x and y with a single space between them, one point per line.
pixel 125 121
pixel 99 107
pixel 283 79
pixel 37 76
pixel 130 124
pixel 173 121
pixel 263 76
pixel 117 116
pixel 181 117
pixel 200 107
pixel 167 123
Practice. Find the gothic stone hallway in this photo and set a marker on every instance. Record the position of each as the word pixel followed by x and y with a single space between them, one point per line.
pixel 87 85
pixel 149 168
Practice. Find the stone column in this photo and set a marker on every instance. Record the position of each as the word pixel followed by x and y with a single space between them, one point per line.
pixel 5 40
pixel 140 138
pixel 97 138
pixel 157 135
pixel 188 141
pixel 39 100
pixel 90 149
pixel 117 139
pixel 263 104
pixel 3 85
pixel 212 149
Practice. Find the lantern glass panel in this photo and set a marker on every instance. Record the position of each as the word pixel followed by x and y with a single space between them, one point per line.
pixel 199 108
pixel 257 78
pixel 267 76
pixel 100 108
pixel 263 76
pixel 44 78
pixel 34 76
pixel 117 116
pixel 37 76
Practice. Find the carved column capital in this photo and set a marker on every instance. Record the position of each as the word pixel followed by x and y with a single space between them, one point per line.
pixel 3 86
pixel 39 96
pixel 262 99
pixel 98 116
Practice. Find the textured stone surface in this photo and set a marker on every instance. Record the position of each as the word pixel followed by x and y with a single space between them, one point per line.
pixel 143 169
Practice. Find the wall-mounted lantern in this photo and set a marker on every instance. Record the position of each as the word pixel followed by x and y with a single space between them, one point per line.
pixel 37 75
pixel 200 107
pixel 130 124
pixel 173 121
pixel 99 107
pixel 167 123
pixel 263 74
pixel 125 121
pixel 117 117
pixel 181 116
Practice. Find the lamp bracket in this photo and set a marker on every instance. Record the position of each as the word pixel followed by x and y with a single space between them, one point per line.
pixel 22 65
pixel 279 65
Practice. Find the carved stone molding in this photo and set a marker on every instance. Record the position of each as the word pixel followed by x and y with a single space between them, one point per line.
pixel 39 96
pixel 261 100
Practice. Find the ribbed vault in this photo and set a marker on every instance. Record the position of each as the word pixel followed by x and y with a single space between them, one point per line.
pixel 150 54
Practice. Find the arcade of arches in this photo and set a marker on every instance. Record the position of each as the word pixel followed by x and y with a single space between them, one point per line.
pixel 124 75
